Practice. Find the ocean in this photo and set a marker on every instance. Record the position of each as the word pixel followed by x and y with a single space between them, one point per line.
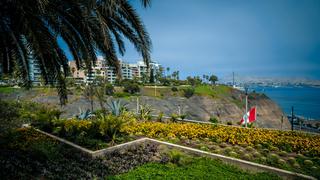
pixel 305 100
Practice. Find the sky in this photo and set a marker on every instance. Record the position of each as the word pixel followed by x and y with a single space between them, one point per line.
pixel 268 38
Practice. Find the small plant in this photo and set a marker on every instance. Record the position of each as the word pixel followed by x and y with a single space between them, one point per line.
pixel 160 116
pixel 256 154
pixel 283 153
pixel 292 160
pixel 273 158
pixel 273 148
pixel 247 157
pixel 281 161
pixel 250 125
pixel 204 148
pixel 183 116
pixel 144 112
pixel 229 123
pixel 296 165
pixel 223 145
pixel 228 150
pixel 116 107
pixel 213 120
pixel 174 117
pixel 110 125
pixel 233 154
pixel 249 148
pixel 263 159
pixel 175 156
pixel 259 146
pixel 83 115
pixel 308 162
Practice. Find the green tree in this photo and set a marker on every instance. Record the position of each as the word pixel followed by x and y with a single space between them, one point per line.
pixel 159 74
pixel 213 79
pixel 194 81
pixel 152 76
pixel 30 30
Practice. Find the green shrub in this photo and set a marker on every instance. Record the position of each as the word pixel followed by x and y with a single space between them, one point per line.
pixel 213 120
pixel 116 107
pixel 144 112
pixel 281 162
pixel 131 87
pixel 188 92
pixel 247 157
pixel 183 116
pixel 174 89
pixel 233 154
pixel 175 156
pixel 249 148
pixel 256 154
pixel 283 153
pixel 296 165
pixel 308 162
pixel 121 94
pixel 160 116
pixel 174 117
pixel 229 123
pixel 109 89
pixel 291 160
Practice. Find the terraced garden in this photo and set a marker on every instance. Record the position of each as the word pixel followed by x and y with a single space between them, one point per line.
pixel 25 152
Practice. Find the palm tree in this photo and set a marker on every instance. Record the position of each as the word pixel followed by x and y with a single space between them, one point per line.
pixel 31 29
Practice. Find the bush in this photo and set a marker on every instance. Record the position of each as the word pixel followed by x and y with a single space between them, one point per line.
pixel 160 116
pixel 183 116
pixel 174 117
pixel 229 123
pixel 174 89
pixel 109 89
pixel 213 120
pixel 131 87
pixel 14 114
pixel 188 92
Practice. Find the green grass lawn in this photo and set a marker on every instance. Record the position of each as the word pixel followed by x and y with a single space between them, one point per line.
pixel 197 168
pixel 7 90
pixel 214 91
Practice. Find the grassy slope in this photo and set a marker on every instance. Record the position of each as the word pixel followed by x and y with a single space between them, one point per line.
pixel 198 168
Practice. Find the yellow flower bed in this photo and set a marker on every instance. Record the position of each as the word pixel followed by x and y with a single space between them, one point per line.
pixel 294 141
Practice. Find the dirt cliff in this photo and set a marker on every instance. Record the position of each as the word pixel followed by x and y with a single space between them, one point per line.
pixel 227 108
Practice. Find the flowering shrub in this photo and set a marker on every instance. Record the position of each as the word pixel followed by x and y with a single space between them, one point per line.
pixel 286 140
pixel 93 134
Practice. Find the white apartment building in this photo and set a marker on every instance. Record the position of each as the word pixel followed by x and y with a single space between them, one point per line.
pixel 128 71
pixel 34 72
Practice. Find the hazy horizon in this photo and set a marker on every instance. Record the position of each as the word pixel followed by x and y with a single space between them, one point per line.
pixel 254 38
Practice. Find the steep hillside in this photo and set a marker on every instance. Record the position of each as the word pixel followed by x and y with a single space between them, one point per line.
pixel 222 102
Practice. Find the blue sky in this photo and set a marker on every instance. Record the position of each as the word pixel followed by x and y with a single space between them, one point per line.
pixel 250 37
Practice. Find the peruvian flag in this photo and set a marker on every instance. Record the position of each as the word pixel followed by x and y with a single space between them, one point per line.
pixel 252 116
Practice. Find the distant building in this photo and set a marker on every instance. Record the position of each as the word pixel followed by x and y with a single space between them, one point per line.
pixel 35 72
pixel 127 70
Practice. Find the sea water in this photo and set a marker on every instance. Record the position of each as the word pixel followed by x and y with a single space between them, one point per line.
pixel 304 99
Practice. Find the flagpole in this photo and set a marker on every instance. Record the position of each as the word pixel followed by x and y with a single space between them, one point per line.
pixel 246 115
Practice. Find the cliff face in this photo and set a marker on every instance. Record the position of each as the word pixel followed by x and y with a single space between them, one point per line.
pixel 227 108
pixel 269 115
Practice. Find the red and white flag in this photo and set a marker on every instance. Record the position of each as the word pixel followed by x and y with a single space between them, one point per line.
pixel 251 115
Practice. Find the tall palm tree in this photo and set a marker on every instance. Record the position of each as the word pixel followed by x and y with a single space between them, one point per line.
pixel 31 30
